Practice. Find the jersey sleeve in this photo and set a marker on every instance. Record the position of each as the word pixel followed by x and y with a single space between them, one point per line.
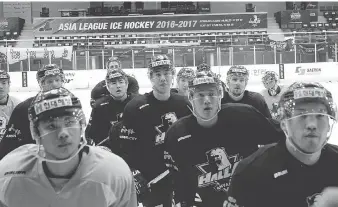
pixel 130 137
pixel 264 109
pixel 12 137
pixel 114 139
pixel 133 86
pixel 238 193
pixel 248 181
pixel 184 194
pixel 128 195
pixel 264 130
pixel 94 131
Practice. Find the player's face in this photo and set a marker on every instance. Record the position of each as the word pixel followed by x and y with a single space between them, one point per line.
pixel 161 80
pixel 113 65
pixel 117 87
pixel 182 86
pixel 237 84
pixel 4 88
pixel 310 131
pixel 60 137
pixel 269 82
pixel 51 82
pixel 205 100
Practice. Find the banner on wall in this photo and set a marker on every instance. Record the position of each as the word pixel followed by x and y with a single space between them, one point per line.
pixel 151 23
pixel 302 16
pixel 285 45
pixel 14 55
pixel 311 72
pixel 24 79
pixel 311 48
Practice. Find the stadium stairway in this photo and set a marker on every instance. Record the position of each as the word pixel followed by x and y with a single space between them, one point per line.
pixel 275 33
pixel 26 39
pixel 322 19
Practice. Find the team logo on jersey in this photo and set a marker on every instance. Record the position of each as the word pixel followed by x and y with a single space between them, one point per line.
pixel 118 119
pixel 312 201
pixel 167 120
pixel 13 133
pixel 218 169
pixel 127 134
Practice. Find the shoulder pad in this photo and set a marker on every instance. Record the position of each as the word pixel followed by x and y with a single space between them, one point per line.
pixel 332 148
pixel 248 161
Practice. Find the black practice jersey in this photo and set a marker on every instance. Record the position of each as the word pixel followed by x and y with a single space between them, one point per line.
pixel 103 117
pixel 17 131
pixel 203 159
pixel 251 98
pixel 101 90
pixel 145 122
pixel 273 177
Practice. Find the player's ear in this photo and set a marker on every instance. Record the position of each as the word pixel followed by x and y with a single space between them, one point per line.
pixel 228 80
pixel 246 81
pixel 190 95
pixel 149 75
pixel 127 82
pixel 283 126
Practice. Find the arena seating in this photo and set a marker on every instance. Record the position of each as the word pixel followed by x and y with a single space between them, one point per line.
pixel 315 31
pixel 11 30
pixel 247 37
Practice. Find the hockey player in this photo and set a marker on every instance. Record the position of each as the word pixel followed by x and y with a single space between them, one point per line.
pixel 237 80
pixel 203 149
pixel 293 172
pixel 272 92
pixel 100 92
pixel 60 169
pixel 7 102
pixel 109 112
pixel 206 67
pixel 17 131
pixel 146 119
pixel 183 76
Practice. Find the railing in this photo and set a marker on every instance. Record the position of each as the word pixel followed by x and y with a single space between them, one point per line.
pixel 297 47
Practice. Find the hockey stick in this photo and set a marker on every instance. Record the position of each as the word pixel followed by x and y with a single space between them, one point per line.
pixel 158 178
pixel 103 141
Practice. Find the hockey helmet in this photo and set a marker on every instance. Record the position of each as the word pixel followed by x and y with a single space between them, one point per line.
pixel 49 70
pixel 300 92
pixel 116 63
pixel 186 73
pixel 57 107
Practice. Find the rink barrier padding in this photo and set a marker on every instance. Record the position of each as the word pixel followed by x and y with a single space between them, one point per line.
pixel 87 79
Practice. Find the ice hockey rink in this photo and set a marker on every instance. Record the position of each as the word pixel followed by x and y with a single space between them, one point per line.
pixel 84 95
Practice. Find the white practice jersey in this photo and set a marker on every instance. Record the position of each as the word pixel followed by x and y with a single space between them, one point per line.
pixel 272 101
pixel 102 179
pixel 6 111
